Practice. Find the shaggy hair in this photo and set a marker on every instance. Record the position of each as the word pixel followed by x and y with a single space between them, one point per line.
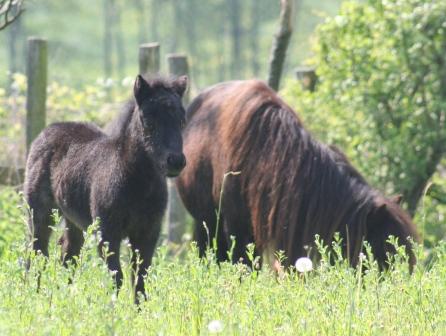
pixel 290 187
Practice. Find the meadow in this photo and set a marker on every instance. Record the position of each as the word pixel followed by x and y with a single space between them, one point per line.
pixel 192 296
pixel 380 98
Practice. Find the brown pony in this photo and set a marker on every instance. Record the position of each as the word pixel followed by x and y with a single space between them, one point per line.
pixel 290 187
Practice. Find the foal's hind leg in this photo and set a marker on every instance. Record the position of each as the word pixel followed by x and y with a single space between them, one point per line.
pixel 71 241
pixel 40 200
pixel 39 224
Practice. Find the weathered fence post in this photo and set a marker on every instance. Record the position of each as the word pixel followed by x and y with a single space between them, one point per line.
pixel 149 58
pixel 36 72
pixel 179 66
pixel 176 213
pixel 307 77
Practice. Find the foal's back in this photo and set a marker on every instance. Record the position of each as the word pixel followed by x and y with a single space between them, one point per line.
pixel 59 166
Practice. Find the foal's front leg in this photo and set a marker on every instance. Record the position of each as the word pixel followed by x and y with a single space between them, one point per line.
pixel 143 245
pixel 112 256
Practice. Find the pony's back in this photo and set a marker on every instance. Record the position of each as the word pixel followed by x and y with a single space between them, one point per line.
pixel 289 187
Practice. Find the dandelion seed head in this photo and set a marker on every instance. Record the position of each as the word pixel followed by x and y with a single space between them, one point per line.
pixel 215 327
pixel 303 265
pixel 362 256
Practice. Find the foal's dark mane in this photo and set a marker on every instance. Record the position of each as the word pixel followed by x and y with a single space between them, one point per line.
pixel 300 179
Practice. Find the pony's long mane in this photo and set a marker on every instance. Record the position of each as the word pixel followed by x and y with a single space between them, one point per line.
pixel 296 186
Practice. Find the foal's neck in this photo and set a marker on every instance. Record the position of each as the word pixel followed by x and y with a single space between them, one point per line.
pixel 131 137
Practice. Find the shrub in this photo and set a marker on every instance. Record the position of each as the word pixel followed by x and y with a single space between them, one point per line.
pixel 381 94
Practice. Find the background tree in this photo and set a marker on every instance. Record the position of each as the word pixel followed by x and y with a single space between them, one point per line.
pixel 10 10
pixel 280 43
pixel 382 95
pixel 234 10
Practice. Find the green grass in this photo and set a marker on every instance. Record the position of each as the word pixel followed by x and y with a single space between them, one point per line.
pixel 185 294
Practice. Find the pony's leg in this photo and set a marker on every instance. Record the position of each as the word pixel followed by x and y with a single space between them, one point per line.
pixel 39 225
pixel 204 235
pixel 112 256
pixel 40 200
pixel 71 241
pixel 242 237
pixel 143 246
pixel 201 237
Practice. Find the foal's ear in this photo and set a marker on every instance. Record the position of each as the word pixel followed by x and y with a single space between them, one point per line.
pixel 180 85
pixel 141 89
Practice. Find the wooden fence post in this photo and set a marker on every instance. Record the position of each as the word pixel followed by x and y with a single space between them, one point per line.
pixel 149 58
pixel 307 77
pixel 176 213
pixel 179 66
pixel 36 72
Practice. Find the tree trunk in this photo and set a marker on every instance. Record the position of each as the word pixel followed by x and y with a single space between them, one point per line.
pixel 14 39
pixel 108 64
pixel 280 44
pixel 190 29
pixel 234 18
pixel 254 37
pixel 154 12
pixel 177 25
pixel 414 194
pixel 140 17
pixel 119 41
pixel 222 37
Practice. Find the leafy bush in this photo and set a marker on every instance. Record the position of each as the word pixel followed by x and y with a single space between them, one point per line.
pixel 381 95
pixel 97 102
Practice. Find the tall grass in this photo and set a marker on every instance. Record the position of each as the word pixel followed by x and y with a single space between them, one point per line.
pixel 189 296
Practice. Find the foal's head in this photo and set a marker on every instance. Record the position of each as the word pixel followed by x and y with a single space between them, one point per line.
pixel 162 116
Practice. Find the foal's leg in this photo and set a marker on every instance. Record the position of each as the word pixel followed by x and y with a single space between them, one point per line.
pixel 71 241
pixel 144 245
pixel 112 257
pixel 39 225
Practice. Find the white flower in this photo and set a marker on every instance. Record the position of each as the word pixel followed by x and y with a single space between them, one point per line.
pixel 215 327
pixel 303 265
pixel 362 256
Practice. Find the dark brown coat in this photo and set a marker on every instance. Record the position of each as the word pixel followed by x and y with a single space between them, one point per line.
pixel 290 187
pixel 119 177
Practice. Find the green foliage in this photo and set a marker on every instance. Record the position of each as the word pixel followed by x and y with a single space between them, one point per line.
pixel 12 227
pixel 75 32
pixel 186 295
pixel 189 296
pixel 381 95
pixel 96 102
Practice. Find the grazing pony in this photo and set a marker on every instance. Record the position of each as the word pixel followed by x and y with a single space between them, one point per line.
pixel 290 186
pixel 119 177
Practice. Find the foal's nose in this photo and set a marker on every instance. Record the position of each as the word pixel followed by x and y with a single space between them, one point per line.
pixel 175 164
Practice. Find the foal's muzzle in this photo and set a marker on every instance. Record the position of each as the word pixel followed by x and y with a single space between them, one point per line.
pixel 175 164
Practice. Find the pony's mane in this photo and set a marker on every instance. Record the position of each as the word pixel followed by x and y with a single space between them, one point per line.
pixel 297 179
